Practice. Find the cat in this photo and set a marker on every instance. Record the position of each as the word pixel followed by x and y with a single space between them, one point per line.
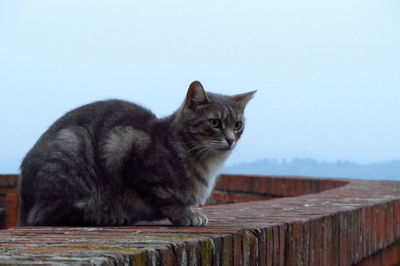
pixel 113 162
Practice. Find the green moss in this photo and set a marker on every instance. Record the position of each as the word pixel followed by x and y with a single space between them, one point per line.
pixel 87 248
pixel 228 250
pixel 140 259
pixel 120 250
pixel 246 242
pixel 206 251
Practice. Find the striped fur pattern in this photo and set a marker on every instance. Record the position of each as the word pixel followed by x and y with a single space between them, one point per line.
pixel 115 163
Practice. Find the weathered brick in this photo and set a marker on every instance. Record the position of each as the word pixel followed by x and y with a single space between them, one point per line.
pixel 227 256
pixel 396 211
pixel 270 245
pixel 342 223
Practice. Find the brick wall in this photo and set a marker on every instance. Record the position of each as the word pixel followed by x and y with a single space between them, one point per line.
pixel 8 200
pixel 229 189
pixel 234 189
pixel 308 222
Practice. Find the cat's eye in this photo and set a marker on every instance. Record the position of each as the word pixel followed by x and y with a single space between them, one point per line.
pixel 214 123
pixel 238 125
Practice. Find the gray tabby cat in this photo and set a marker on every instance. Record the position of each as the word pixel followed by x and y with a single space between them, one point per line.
pixel 115 163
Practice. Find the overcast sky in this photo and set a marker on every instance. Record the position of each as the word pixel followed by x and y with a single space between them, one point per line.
pixel 327 72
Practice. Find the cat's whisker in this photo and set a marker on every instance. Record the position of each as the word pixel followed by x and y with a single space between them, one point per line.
pixel 199 146
pixel 186 142
pixel 194 145
pixel 204 152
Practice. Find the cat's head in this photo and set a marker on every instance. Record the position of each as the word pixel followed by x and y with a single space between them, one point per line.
pixel 211 123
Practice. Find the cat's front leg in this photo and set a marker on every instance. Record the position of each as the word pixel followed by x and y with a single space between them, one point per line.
pixel 185 216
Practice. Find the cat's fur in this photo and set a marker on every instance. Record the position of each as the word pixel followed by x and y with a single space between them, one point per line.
pixel 114 163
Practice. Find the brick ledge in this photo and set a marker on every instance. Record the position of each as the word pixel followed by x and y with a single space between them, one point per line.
pixel 340 226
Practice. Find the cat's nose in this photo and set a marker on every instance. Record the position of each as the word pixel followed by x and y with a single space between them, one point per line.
pixel 230 141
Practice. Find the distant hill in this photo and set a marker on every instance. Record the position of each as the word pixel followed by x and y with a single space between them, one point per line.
pixel 389 170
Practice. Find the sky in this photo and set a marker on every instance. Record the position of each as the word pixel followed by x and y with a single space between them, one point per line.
pixel 327 73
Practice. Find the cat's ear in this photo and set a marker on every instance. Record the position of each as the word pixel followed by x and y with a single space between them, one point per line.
pixel 196 96
pixel 242 99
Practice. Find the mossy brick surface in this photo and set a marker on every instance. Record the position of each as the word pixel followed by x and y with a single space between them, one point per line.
pixel 309 222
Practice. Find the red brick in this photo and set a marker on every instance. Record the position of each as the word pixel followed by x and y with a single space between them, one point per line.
pixel 346 224
pixel 270 245
pixel 396 211
pixel 237 249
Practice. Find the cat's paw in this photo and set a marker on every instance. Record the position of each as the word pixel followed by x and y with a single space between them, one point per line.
pixel 191 219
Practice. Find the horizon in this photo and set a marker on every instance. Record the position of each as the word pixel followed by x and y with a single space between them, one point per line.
pixel 327 73
pixel 384 170
pixel 9 168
